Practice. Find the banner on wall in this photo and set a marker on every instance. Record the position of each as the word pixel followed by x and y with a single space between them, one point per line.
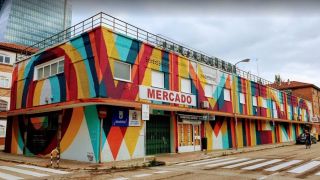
pixel 120 118
pixel 134 118
pixel 157 94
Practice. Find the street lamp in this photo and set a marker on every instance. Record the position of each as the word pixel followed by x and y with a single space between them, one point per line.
pixel 235 106
pixel 243 60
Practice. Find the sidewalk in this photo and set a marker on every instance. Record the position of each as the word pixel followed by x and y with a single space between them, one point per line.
pixel 134 163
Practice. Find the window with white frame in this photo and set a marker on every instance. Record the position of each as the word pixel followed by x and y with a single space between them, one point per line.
pixel 185 85
pixel 208 90
pixel 281 107
pixel 4 82
pixel 157 79
pixel 48 69
pixel 122 71
pixel 4 59
pixel 289 109
pixel 242 99
pixel 227 94
pixel 264 103
pixel 274 109
pixel 254 101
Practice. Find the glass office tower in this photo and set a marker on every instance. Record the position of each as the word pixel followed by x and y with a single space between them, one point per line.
pixel 27 22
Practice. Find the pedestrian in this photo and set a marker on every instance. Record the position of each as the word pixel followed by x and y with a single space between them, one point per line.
pixel 308 140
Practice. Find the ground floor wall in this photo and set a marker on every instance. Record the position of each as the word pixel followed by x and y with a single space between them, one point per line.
pixel 77 133
pixel 80 136
pixel 3 126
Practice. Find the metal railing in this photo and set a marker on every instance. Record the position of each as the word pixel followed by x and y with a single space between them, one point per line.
pixel 119 26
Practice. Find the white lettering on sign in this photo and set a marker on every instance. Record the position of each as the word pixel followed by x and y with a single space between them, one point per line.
pixel 157 94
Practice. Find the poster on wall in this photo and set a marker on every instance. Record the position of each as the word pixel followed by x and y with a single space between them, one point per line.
pixel 120 118
pixel 134 118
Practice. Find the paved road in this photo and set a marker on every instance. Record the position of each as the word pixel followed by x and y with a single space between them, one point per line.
pixel 15 171
pixel 291 162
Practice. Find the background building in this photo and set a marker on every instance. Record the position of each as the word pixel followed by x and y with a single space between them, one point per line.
pixel 28 22
pixel 8 52
pixel 307 91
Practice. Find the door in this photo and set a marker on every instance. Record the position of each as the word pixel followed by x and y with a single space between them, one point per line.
pixel 158 135
pixel 189 137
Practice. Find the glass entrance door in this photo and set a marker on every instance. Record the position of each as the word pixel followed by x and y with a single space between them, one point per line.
pixel 189 137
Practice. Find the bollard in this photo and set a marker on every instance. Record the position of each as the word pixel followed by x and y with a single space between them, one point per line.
pixel 55 154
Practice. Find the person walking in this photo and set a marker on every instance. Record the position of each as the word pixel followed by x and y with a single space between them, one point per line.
pixel 308 140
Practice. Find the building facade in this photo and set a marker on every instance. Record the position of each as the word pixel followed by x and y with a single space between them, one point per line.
pixel 308 91
pixel 84 96
pixel 28 22
pixel 8 53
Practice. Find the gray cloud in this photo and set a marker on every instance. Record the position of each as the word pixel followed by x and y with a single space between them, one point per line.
pixel 282 35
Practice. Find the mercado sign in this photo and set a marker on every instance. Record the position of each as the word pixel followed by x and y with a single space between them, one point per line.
pixel 163 95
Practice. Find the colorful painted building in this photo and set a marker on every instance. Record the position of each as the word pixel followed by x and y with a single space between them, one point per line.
pixel 85 96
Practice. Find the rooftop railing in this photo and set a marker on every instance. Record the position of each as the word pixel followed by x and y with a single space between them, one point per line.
pixel 119 26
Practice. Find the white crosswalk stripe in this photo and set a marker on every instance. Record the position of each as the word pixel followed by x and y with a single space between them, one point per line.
pixel 22 171
pixel 243 163
pixel 283 165
pixel 142 175
pixel 43 169
pixel 227 162
pixel 186 163
pixel 305 167
pixel 256 166
pixel 9 176
pixel 161 172
pixel 210 162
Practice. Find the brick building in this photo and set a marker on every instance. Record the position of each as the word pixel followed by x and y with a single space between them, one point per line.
pixel 8 52
pixel 307 91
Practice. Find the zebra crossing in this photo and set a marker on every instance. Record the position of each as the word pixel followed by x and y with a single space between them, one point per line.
pixel 251 164
pixel 23 171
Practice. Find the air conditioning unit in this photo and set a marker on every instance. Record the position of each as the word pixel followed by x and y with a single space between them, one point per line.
pixel 204 104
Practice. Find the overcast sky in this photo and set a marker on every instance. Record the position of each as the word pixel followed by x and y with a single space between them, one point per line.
pixel 280 37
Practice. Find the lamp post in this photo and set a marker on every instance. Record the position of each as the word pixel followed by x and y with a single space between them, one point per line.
pixel 243 60
pixel 235 105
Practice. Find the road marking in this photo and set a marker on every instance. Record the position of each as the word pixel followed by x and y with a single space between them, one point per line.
pixel 142 175
pixel 265 177
pixel 121 178
pixel 43 169
pixel 215 161
pixel 8 176
pixel 283 165
pixel 31 173
pixel 244 163
pixel 305 167
pixel 205 160
pixel 161 172
pixel 227 162
pixel 261 164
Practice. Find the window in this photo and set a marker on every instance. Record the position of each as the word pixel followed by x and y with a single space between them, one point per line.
pixel 226 94
pixel 274 108
pixel 157 79
pixel 281 107
pixel 264 103
pixel 50 68
pixel 208 90
pixel 4 82
pixel 185 85
pixel 242 99
pixel 122 71
pixel 254 101
pixel 3 105
pixel 4 59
